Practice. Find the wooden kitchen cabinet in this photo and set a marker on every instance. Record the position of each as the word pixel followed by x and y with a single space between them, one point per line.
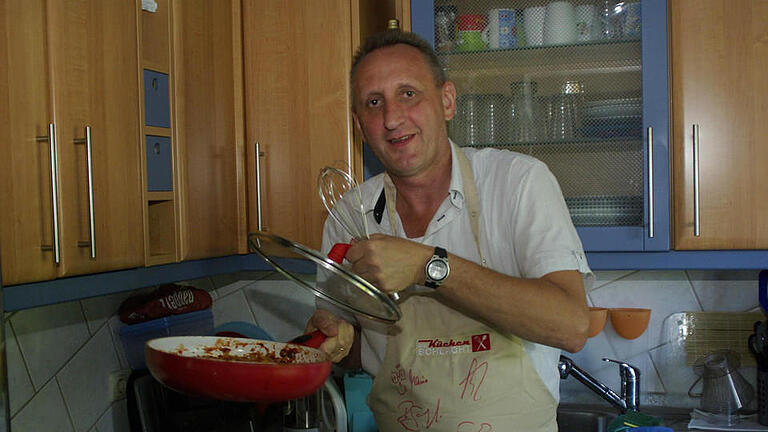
pixel 719 55
pixel 297 57
pixel 69 67
pixel 208 100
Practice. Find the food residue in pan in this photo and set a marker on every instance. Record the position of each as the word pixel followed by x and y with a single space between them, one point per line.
pixel 246 352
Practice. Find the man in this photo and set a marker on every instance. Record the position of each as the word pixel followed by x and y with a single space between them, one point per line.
pixel 484 241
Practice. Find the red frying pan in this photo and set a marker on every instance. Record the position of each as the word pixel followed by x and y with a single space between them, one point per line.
pixel 239 369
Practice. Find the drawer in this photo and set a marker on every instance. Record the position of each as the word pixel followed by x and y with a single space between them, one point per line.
pixel 157 107
pixel 159 165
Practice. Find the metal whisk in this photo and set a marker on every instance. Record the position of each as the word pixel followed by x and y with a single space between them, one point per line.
pixel 332 184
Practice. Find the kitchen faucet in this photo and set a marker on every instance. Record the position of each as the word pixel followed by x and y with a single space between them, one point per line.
pixel 630 383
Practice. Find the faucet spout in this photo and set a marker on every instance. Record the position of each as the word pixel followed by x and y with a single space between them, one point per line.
pixel 629 400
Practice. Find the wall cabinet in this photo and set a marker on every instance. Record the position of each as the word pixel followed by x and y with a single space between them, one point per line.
pixel 208 101
pixel 70 168
pixel 719 55
pixel 296 58
pixel 592 105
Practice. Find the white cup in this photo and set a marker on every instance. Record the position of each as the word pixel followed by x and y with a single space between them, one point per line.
pixel 586 23
pixel 501 30
pixel 559 23
pixel 533 25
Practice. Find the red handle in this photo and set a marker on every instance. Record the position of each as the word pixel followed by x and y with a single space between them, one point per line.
pixel 312 340
pixel 339 251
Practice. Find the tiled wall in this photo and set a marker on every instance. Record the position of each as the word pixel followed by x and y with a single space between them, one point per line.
pixel 60 357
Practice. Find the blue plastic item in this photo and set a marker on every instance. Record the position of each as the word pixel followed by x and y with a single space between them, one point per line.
pixel 157 105
pixel 135 336
pixel 159 166
pixel 357 385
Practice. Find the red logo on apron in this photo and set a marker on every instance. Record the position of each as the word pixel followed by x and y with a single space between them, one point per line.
pixel 481 342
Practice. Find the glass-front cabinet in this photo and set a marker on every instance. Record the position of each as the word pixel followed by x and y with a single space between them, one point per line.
pixel 580 85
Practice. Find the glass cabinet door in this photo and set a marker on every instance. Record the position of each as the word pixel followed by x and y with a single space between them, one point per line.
pixel 579 85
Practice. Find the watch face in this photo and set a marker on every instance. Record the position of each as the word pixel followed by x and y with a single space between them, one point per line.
pixel 437 270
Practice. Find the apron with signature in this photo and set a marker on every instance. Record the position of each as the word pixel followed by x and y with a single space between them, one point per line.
pixel 444 371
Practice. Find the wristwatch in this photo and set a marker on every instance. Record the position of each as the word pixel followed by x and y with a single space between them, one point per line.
pixel 437 268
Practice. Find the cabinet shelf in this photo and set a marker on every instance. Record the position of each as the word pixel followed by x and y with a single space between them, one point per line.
pixel 607 144
pixel 620 54
pixel 159 196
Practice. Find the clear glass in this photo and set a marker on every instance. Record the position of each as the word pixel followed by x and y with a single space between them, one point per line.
pixel 561 81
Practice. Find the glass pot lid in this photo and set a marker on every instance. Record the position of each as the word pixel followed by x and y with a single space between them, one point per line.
pixel 334 282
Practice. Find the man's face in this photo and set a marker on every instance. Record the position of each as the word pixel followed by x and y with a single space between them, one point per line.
pixel 400 111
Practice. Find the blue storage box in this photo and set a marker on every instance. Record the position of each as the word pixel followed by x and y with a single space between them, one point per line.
pixel 157 105
pixel 159 165
pixel 135 336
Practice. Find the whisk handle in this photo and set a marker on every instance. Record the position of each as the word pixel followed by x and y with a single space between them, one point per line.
pixel 338 252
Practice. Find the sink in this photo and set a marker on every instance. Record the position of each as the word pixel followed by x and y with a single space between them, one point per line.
pixel 575 418
pixel 596 418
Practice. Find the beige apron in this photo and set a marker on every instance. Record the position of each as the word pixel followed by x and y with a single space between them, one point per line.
pixel 443 371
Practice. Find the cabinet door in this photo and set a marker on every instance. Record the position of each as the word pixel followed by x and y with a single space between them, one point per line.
pixel 26 219
pixel 296 60
pixel 207 74
pixel 93 52
pixel 719 59
pixel 592 105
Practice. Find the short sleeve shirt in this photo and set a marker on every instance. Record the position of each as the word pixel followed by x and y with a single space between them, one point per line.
pixel 527 226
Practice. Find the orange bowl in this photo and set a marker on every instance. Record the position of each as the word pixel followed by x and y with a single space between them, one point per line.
pixel 630 323
pixel 597 318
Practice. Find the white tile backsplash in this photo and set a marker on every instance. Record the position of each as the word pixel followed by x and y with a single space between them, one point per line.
pixel 98 310
pixel 18 377
pixel 281 307
pixel 115 419
pixel 229 283
pixel 115 325
pixel 608 276
pixel 48 337
pixel 232 307
pixel 85 380
pixel 725 291
pixel 45 412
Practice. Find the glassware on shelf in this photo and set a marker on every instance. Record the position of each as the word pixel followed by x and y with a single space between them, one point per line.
pixel 610 26
pixel 480 120
pixel 523 111
pixel 465 127
pixel 566 115
pixel 445 25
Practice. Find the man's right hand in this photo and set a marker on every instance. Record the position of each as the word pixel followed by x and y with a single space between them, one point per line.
pixel 340 334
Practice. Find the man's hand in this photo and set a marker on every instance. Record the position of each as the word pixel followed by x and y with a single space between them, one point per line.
pixel 389 263
pixel 340 334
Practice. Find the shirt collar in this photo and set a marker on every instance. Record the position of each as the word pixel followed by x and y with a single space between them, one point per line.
pixel 455 188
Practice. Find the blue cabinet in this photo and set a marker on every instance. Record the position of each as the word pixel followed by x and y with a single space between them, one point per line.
pixel 626 155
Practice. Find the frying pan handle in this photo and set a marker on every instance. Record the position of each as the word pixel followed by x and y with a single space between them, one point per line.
pixel 763 290
pixel 312 340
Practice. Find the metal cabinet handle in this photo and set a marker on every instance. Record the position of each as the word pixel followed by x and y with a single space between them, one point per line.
pixel 51 138
pixel 696 214
pixel 258 186
pixel 651 224
pixel 91 220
